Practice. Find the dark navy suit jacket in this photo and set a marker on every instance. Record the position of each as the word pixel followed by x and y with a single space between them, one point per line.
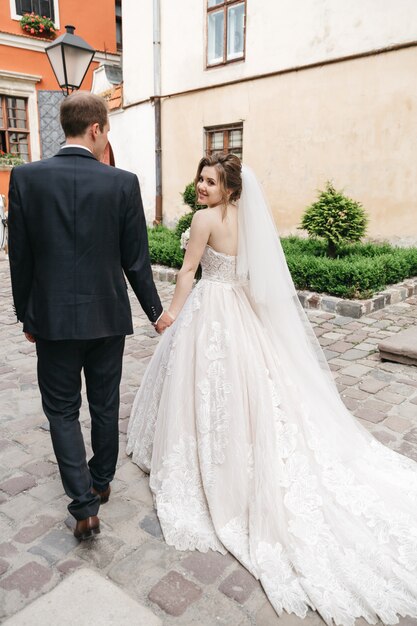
pixel 76 226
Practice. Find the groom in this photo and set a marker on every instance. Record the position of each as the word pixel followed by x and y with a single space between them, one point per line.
pixel 76 227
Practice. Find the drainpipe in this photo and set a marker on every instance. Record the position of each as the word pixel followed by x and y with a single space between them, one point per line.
pixel 157 108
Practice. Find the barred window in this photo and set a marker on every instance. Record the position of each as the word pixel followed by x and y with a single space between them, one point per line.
pixel 14 129
pixel 119 31
pixel 40 7
pixel 225 31
pixel 224 139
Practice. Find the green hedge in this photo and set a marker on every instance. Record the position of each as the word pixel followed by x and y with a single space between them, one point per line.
pixel 164 247
pixel 359 271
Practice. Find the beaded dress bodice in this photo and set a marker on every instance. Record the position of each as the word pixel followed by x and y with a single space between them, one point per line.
pixel 218 266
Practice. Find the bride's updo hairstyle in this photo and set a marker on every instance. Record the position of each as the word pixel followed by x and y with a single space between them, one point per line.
pixel 229 168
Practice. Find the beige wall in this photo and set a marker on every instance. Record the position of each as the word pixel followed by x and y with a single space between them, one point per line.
pixel 354 123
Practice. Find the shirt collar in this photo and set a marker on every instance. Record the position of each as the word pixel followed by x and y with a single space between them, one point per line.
pixel 75 145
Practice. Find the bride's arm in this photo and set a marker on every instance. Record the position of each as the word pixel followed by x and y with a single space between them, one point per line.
pixel 199 236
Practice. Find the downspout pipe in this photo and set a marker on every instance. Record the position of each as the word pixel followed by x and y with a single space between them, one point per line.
pixel 157 108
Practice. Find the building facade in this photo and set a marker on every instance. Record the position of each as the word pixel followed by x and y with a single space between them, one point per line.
pixel 305 91
pixel 29 93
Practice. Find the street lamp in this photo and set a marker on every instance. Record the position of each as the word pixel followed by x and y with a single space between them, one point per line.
pixel 70 57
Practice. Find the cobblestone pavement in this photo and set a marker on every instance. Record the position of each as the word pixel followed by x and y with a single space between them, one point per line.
pixel 37 549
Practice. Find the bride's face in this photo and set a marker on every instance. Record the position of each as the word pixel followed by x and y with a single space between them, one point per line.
pixel 208 188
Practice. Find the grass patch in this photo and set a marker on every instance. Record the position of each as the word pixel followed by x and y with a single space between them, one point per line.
pixel 359 271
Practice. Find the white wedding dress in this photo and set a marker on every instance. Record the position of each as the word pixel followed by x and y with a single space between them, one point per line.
pixel 239 460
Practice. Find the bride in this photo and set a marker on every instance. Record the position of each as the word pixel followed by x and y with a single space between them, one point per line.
pixel 248 445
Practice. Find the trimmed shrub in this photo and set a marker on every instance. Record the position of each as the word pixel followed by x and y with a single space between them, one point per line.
pixel 336 218
pixel 190 197
pixel 183 223
pixel 164 247
pixel 359 271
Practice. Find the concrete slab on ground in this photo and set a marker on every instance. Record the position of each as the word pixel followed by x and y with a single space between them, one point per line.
pixel 85 598
pixel 401 347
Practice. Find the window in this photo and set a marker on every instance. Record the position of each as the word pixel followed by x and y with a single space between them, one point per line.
pixel 225 31
pixel 14 132
pixel 40 7
pixel 224 139
pixel 119 39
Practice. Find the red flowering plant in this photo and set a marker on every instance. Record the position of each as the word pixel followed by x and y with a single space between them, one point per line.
pixel 34 24
pixel 7 159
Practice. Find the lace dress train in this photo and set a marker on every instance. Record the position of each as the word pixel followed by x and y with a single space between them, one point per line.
pixel 237 464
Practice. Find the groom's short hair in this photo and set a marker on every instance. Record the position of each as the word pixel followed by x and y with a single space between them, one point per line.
pixel 80 110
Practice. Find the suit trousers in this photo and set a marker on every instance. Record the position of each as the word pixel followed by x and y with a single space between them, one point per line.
pixel 59 376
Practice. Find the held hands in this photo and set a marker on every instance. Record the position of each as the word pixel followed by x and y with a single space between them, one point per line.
pixel 164 322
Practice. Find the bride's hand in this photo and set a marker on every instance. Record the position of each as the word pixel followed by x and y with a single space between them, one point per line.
pixel 164 322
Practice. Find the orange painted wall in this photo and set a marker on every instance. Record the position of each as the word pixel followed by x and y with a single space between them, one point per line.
pixel 30 62
pixel 94 21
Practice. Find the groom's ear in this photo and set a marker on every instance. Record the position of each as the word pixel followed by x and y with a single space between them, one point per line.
pixel 94 129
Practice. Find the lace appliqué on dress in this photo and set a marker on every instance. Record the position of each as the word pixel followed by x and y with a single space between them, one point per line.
pixel 179 496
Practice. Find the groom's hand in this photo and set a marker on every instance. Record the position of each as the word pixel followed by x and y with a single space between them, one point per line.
pixel 164 321
pixel 30 338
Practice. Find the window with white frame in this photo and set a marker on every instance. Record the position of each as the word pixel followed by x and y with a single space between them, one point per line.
pixel 14 127
pixel 227 138
pixel 225 31
pixel 49 8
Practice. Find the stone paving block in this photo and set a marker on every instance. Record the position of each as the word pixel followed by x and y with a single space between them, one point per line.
pixel 174 593
pixel 365 347
pixel 41 469
pixel 401 389
pixel 207 567
pixel 357 394
pixel 48 491
pixel 405 410
pixel 371 385
pixel 150 524
pixel 14 457
pixel 7 549
pixel 357 371
pixel 267 616
pixel 340 320
pixel 353 355
pixel 27 534
pixel 6 527
pixel 28 578
pixel 350 403
pixel 347 380
pixel 391 398
pixel 55 545
pixel 118 508
pixel 123 424
pixel 341 346
pixel 139 491
pixel 398 424
pixel 4 566
pixel 239 585
pixel 149 557
pixel 100 552
pixel 65 567
pixel 17 484
pixel 385 437
pixel 409 450
pixel 129 473
pixel 370 415
pixel 411 436
pixel 4 444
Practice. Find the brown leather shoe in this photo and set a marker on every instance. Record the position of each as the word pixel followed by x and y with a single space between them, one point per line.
pixel 87 528
pixel 104 495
